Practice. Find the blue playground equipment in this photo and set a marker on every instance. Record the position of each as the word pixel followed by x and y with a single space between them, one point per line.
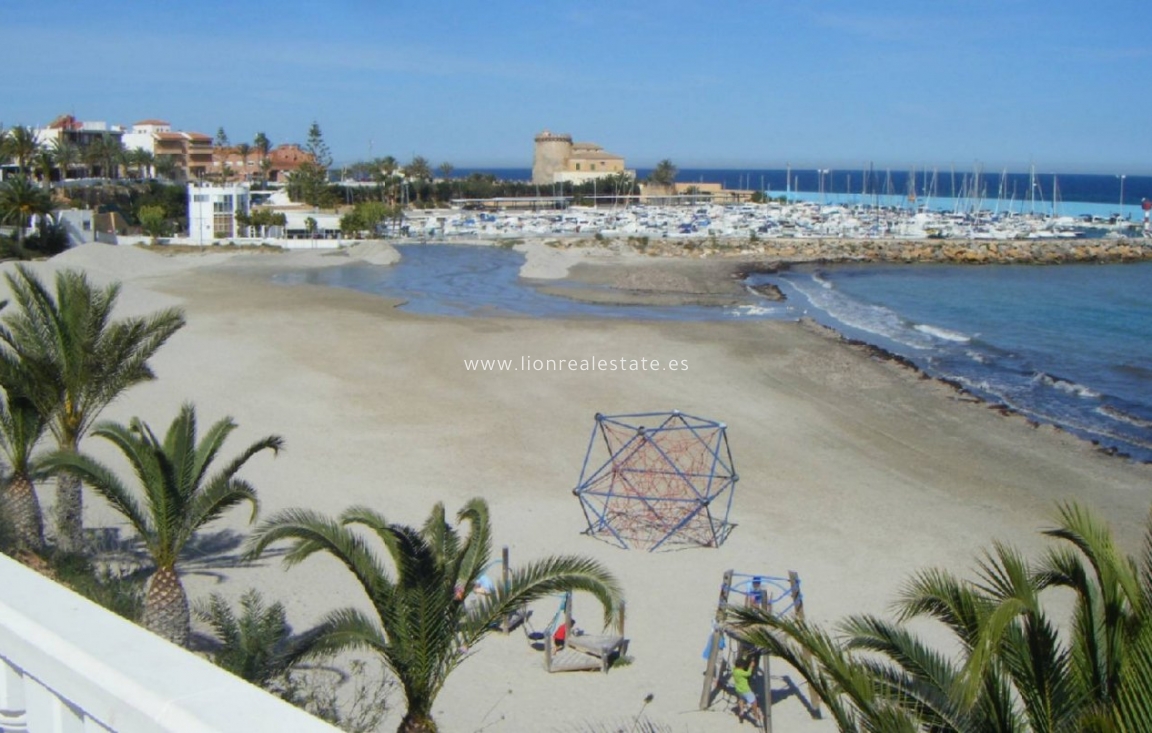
pixel 668 484
pixel 779 596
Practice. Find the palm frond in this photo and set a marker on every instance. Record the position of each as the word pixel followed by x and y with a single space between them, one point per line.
pixel 311 532
pixel 106 483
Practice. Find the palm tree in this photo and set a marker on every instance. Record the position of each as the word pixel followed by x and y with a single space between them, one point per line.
pixel 166 166
pixel 67 156
pixel 422 628
pixel 81 360
pixel 255 645
pixel 262 145
pixel 141 160
pixel 664 174
pixel 21 145
pixel 21 427
pixel 20 200
pixel 388 167
pixel 1015 671
pixel 44 162
pixel 106 153
pixel 180 497
pixel 244 150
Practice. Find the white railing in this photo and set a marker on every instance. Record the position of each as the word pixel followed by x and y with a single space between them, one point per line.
pixel 69 666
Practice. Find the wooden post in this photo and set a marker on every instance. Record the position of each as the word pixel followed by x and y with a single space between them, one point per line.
pixel 798 610
pixel 714 644
pixel 506 621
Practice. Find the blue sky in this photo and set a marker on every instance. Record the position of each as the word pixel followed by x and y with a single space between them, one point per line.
pixel 735 83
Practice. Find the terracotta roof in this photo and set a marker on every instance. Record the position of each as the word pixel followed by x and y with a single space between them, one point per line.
pixel 65 122
pixel 169 135
pixel 159 123
pixel 198 136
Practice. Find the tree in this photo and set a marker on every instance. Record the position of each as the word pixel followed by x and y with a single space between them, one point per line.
pixel 153 221
pixel 367 216
pixel 81 360
pixel 446 170
pixel 21 426
pixel 142 161
pixel 317 148
pixel 220 152
pixel 244 150
pixel 422 628
pixel 664 174
pixel 255 645
pixel 387 177
pixel 165 166
pixel 1015 671
pixel 44 162
pixel 21 145
pixel 418 169
pixel 180 497
pixel 309 183
pixel 106 153
pixel 20 200
pixel 67 156
pixel 262 145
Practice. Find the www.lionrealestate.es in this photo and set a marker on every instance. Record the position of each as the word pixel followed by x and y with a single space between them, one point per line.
pixel 590 364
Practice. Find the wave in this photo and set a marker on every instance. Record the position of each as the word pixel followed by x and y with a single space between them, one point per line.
pixel 1124 417
pixel 872 319
pixel 943 333
pixel 1066 385
pixel 751 310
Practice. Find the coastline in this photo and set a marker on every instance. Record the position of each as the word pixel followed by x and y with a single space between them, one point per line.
pixel 854 472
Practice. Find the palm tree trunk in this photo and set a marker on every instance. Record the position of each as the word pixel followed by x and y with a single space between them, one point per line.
pixel 416 722
pixel 69 513
pixel 18 502
pixel 166 606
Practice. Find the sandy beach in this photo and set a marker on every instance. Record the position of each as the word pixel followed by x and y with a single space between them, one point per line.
pixel 854 471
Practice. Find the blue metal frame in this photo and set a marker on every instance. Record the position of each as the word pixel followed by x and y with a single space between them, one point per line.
pixel 601 490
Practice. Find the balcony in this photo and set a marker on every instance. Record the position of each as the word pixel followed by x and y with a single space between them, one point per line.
pixel 69 666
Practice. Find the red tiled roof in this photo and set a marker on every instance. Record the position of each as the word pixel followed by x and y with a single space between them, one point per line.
pixel 65 122
pixel 158 123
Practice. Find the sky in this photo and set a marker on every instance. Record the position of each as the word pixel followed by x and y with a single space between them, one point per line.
pixel 739 84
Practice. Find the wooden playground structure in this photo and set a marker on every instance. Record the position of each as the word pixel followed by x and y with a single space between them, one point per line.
pixel 775 595
pixel 577 651
pixel 581 651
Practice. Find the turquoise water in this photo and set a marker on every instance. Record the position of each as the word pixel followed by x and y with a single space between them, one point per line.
pixel 461 280
pixel 1069 345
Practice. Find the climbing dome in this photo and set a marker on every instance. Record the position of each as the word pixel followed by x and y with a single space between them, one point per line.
pixel 657 479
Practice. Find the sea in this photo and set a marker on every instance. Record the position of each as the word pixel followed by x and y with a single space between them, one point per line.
pixel 941 189
pixel 1067 345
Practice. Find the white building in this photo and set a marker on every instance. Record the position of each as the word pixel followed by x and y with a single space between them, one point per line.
pixel 212 211
pixel 143 135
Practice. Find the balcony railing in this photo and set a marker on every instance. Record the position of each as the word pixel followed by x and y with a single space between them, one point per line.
pixel 69 666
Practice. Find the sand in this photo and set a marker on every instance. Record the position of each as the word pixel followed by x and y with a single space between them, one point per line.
pixel 854 472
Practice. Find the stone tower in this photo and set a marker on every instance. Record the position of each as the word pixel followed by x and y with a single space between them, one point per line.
pixel 552 153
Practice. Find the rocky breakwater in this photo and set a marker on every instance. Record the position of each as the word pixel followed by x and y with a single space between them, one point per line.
pixel 974 251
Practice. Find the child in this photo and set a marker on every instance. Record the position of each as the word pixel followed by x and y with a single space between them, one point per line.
pixel 560 638
pixel 742 684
